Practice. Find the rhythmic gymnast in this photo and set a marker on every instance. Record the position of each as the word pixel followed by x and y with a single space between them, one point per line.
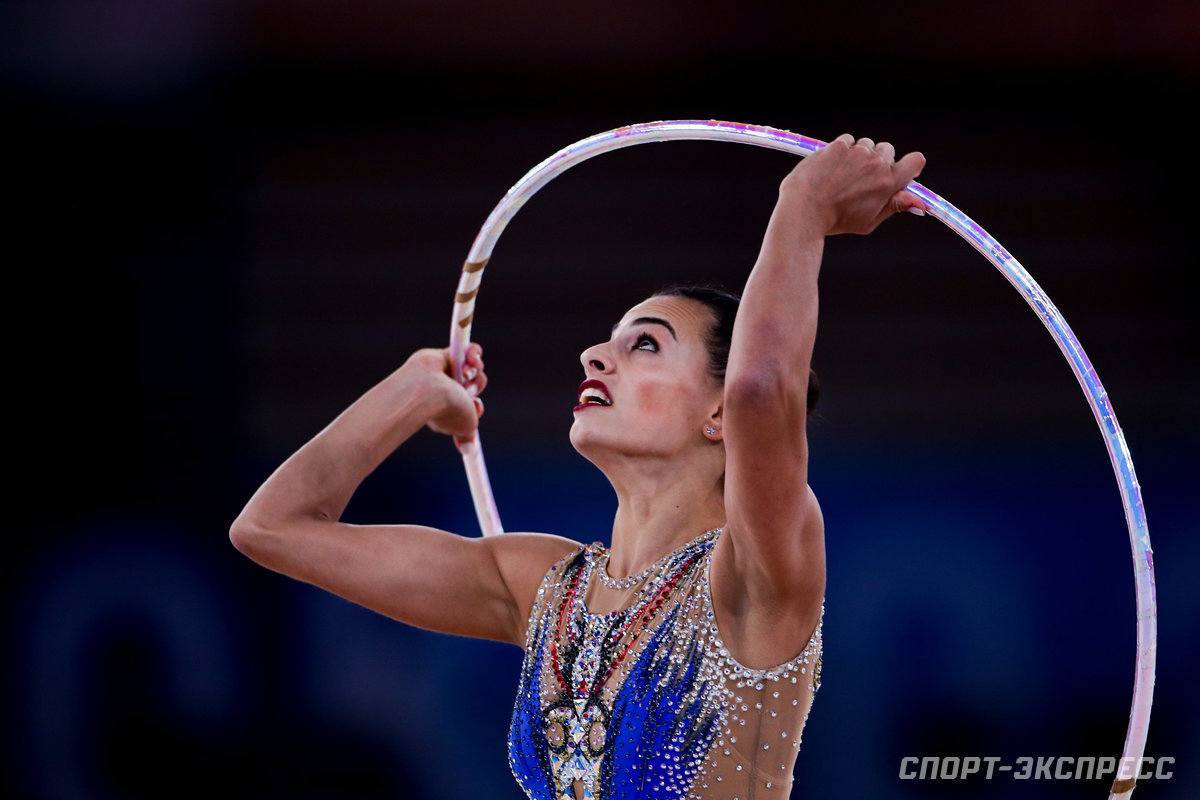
pixel 682 661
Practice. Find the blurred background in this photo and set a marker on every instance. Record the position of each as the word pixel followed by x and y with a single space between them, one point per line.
pixel 228 219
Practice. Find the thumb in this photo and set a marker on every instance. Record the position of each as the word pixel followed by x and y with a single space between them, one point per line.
pixel 905 171
pixel 909 167
pixel 464 443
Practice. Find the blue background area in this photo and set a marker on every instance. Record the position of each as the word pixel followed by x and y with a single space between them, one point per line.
pixel 228 220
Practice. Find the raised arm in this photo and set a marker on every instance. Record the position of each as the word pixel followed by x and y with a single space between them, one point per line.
pixel 423 576
pixel 774 522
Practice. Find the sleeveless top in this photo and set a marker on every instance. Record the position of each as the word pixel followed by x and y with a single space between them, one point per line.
pixel 648 701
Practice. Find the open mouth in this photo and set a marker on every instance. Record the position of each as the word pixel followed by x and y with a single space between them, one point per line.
pixel 593 393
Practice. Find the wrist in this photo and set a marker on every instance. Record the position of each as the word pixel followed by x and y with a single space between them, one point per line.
pixel 801 209
pixel 417 391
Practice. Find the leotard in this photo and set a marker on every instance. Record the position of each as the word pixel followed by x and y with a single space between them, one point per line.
pixel 647 701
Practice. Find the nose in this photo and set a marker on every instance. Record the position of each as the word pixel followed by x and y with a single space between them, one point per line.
pixel 595 359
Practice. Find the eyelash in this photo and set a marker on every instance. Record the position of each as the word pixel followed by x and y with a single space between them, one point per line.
pixel 645 337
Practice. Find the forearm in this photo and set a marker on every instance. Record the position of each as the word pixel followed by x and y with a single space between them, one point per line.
pixel 845 187
pixel 318 481
pixel 777 319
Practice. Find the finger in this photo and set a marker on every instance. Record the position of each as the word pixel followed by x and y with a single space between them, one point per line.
pixel 846 139
pixel 886 150
pixel 472 368
pixel 450 367
pixel 905 200
pixel 478 408
pixel 866 143
pixel 902 200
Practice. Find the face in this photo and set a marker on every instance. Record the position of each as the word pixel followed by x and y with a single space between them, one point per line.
pixel 647 390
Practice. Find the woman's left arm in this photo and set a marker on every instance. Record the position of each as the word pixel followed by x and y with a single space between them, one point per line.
pixel 775 527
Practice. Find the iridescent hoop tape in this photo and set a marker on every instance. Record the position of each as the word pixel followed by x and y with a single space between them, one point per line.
pixel 960 223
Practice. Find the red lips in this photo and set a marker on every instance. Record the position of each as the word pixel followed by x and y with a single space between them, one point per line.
pixel 596 386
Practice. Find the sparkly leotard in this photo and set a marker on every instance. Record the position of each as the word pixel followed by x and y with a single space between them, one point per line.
pixel 647 701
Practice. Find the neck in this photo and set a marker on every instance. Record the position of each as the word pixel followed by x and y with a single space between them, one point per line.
pixel 660 508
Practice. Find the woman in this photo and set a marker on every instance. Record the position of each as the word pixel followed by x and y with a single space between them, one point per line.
pixel 682 661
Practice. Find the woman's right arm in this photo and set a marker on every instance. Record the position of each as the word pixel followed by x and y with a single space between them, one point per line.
pixel 479 587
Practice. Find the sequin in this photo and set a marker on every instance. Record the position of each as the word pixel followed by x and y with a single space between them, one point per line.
pixel 640 702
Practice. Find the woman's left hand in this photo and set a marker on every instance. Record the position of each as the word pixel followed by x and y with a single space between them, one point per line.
pixel 853 185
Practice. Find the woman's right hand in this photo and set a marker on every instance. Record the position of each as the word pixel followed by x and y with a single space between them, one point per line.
pixel 467 586
pixel 461 407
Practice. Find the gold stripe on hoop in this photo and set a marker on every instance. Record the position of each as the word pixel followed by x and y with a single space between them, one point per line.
pixel 474 266
pixel 463 297
pixel 1124 785
pixel 465 321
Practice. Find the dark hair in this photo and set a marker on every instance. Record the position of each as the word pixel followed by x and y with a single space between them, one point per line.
pixel 724 306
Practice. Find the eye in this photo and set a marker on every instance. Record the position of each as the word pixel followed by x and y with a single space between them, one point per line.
pixel 646 342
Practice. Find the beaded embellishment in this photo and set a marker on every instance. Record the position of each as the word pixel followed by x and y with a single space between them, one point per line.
pixel 600 569
pixel 647 700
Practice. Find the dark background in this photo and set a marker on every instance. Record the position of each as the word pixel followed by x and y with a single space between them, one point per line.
pixel 226 220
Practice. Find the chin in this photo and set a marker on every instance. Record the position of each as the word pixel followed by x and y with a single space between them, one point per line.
pixel 592 445
pixel 583 442
pixel 601 447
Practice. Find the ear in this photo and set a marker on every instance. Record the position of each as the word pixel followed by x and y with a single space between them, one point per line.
pixel 712 426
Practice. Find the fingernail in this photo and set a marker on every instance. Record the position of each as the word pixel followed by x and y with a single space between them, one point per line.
pixel 920 212
pixel 470 372
pixel 473 389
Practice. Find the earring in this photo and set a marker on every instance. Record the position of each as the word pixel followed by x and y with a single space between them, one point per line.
pixel 710 430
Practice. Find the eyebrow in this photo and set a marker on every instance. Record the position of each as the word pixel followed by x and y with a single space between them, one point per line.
pixel 651 321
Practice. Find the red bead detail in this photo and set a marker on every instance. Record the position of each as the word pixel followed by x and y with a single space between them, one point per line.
pixel 647 613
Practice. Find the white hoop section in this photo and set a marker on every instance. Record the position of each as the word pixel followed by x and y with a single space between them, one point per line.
pixel 960 223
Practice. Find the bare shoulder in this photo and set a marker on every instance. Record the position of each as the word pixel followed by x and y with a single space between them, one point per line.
pixel 523 560
pixel 528 556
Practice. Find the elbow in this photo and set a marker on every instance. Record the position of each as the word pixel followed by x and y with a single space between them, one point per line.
pixel 756 388
pixel 242 534
pixel 267 540
pixel 768 386
pixel 248 536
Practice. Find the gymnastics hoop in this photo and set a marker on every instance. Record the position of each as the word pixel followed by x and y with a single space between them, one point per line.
pixel 960 223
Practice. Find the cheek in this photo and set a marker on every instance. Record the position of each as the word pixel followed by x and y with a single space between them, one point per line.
pixel 660 400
